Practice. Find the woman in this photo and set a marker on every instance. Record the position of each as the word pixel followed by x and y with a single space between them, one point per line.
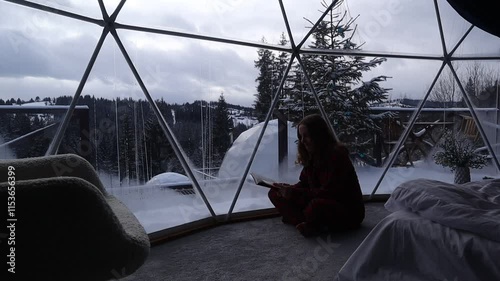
pixel 328 195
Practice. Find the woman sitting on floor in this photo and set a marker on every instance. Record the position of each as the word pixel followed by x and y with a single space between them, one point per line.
pixel 328 195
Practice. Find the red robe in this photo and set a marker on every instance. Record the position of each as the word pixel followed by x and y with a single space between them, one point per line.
pixel 326 195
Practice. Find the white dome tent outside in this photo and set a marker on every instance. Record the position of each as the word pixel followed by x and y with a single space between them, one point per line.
pixel 442 48
pixel 265 162
pixel 168 178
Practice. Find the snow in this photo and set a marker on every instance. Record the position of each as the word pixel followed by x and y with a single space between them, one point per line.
pixel 173 115
pixel 249 122
pixel 238 117
pixel 37 103
pixel 168 178
pixel 159 208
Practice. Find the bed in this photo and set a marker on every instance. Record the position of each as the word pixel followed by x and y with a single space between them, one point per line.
pixel 436 231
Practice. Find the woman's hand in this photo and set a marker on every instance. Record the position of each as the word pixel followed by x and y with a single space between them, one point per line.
pixel 281 184
pixel 285 189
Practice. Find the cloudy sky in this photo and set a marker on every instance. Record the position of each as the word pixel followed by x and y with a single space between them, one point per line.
pixel 43 54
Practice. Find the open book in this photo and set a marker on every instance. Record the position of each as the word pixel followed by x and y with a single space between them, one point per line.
pixel 262 181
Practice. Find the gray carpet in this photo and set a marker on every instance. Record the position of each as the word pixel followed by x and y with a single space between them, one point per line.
pixel 264 249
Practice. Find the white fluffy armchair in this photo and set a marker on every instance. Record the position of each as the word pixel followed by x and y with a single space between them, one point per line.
pixel 68 227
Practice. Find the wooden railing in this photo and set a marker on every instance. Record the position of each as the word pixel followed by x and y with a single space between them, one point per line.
pixel 425 132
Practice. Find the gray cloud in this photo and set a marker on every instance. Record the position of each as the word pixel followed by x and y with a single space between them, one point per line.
pixel 24 60
pixel 45 55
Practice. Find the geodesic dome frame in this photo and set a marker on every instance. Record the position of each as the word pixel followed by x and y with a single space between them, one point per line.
pixel 296 49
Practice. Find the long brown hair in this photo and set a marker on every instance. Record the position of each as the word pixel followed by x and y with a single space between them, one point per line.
pixel 322 137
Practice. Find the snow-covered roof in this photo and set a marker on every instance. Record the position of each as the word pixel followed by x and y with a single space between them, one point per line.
pixel 36 103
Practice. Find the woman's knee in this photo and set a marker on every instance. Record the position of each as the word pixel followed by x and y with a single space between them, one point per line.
pixel 274 196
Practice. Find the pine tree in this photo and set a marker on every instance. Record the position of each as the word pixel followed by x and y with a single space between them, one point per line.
pixel 280 63
pixel 265 64
pixel 107 159
pixel 222 128
pixel 298 95
pixel 21 125
pixel 39 141
pixel 337 82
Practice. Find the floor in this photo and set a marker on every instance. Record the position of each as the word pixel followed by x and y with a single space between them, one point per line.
pixel 264 249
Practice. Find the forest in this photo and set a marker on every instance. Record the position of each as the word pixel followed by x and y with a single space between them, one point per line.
pixel 127 140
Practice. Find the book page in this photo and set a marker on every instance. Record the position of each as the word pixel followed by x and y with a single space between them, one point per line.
pixel 262 181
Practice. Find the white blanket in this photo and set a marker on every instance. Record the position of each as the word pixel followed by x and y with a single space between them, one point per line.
pixel 405 246
pixel 437 231
pixel 473 207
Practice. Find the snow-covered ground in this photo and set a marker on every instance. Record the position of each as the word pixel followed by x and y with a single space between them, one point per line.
pixel 35 104
pixel 239 117
pixel 158 207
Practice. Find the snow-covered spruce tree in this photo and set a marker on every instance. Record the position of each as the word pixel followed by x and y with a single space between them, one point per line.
pixel 223 126
pixel 263 98
pixel 271 67
pixel 279 65
pixel 298 96
pixel 338 83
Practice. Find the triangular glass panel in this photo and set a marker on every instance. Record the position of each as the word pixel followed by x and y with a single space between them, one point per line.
pixel 210 88
pixel 301 17
pixel 480 81
pixel 276 156
pixel 391 28
pixel 393 118
pixel 396 27
pixel 454 26
pixel 479 43
pixel 452 126
pixel 265 163
pixel 132 155
pixel 83 8
pixel 240 20
pixel 34 71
